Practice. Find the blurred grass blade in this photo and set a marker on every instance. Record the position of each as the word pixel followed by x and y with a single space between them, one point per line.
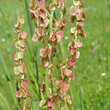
pixel 9 28
pixel 81 97
pixel 6 21
pixel 35 105
pixel 30 25
pixel 29 19
pixel 33 78
pixel 4 101
pixel 13 95
pixel 4 17
pixel 109 5
pixel 2 61
pixel 79 68
pixel 71 92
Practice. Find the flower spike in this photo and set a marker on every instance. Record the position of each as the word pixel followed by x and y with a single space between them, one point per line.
pixel 20 68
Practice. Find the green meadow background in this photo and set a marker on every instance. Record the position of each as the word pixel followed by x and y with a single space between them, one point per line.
pixel 91 89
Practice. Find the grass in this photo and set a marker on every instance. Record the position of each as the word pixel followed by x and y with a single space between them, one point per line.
pixel 90 90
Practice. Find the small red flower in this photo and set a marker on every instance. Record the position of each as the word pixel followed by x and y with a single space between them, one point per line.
pixel 25 84
pixel 65 87
pixel 36 13
pixel 50 104
pixel 18 94
pixel 41 4
pixel 57 84
pixel 71 61
pixel 68 72
pixel 73 76
pixel 22 68
pixel 39 32
pixel 59 36
pixel 23 35
pixel 52 36
pixel 45 52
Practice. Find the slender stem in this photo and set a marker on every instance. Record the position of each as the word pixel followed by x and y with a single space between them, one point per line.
pixel 47 70
pixel 60 50
pixel 47 84
pixel 37 71
pixel 28 17
pixel 51 18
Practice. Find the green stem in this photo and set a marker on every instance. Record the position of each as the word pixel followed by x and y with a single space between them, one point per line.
pixel 47 70
pixel 37 71
pixel 29 19
pixel 47 84
pixel 59 47
pixel 60 50
pixel 51 18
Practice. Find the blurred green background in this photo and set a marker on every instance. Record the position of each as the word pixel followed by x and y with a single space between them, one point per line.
pixel 91 89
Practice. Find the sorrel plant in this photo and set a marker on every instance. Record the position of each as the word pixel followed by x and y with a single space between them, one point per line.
pixel 54 89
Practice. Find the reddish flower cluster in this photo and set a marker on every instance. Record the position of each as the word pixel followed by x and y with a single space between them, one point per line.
pixel 39 12
pixel 50 32
pixel 78 14
pixel 20 69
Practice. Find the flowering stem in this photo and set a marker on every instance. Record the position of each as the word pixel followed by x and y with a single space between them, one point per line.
pixel 20 44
